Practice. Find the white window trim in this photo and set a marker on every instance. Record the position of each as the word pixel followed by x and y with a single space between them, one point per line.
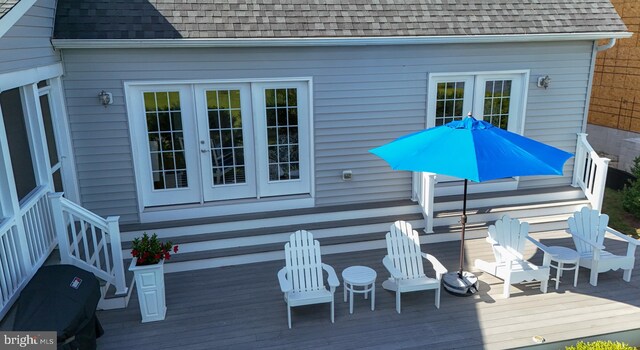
pixel 227 191
pixel 498 185
pixel 154 214
pixel 525 73
pixel 27 80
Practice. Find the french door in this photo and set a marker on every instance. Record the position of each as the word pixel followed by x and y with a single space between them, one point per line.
pixel 493 97
pixel 225 141
pixel 220 141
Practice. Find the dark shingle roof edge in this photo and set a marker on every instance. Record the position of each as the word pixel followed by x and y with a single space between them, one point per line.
pixel 333 41
pixel 6 6
pixel 11 11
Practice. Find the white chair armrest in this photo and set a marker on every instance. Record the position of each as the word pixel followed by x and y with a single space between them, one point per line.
pixel 285 284
pixel 332 279
pixel 589 242
pixel 440 269
pixel 490 240
pixel 633 243
pixel 388 264
pixel 621 235
pixel 508 254
pixel 540 246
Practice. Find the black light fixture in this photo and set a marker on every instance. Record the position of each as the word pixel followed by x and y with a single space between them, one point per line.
pixel 106 98
pixel 543 82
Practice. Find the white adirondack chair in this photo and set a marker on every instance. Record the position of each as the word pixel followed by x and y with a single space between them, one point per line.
pixel 404 263
pixel 588 228
pixel 507 238
pixel 301 280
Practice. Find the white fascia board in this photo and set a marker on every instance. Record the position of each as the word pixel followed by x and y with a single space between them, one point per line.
pixel 10 18
pixel 345 41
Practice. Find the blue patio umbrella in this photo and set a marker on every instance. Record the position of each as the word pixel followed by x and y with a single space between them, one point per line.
pixel 472 150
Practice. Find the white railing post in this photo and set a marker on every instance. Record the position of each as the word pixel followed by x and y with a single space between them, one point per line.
pixel 429 193
pixel 55 199
pixel 423 190
pixel 579 164
pixel 590 172
pixel 416 188
pixel 116 255
pixel 600 183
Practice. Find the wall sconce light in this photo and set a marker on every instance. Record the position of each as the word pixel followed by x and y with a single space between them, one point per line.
pixel 106 98
pixel 543 82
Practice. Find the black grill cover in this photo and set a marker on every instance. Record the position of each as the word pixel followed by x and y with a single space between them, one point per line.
pixel 52 301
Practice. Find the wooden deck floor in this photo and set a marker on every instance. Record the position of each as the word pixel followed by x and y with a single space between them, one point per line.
pixel 241 307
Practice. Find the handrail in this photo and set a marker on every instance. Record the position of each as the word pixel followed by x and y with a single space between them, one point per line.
pixel 590 172
pixel 423 191
pixel 89 241
pixel 26 240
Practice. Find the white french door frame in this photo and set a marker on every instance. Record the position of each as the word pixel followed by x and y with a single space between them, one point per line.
pixel 262 194
pixel 140 146
pixel 212 192
pixel 436 78
pixel 477 79
pixel 267 187
pixel 474 83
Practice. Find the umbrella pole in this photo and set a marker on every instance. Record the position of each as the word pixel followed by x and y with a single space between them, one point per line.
pixel 463 221
pixel 461 283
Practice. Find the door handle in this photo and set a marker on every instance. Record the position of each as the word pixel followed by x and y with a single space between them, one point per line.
pixel 204 150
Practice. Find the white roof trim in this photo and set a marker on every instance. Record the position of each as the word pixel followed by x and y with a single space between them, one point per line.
pixel 341 41
pixel 10 18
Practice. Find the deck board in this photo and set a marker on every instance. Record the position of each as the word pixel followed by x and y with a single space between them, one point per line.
pixel 241 307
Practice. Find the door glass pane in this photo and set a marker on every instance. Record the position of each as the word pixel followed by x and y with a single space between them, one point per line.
pixel 497 96
pixel 449 102
pixel 166 142
pixel 19 149
pixel 282 133
pixel 48 129
pixel 225 137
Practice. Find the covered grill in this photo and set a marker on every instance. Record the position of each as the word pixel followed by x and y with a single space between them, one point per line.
pixel 61 298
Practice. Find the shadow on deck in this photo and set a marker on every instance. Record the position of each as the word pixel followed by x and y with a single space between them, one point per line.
pixel 241 307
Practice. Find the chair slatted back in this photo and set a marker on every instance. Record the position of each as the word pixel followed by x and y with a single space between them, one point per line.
pixel 403 248
pixel 590 224
pixel 302 255
pixel 509 233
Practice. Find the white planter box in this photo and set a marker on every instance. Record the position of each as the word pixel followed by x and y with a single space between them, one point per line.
pixel 150 288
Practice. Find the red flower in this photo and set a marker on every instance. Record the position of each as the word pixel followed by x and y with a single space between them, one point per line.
pixel 149 250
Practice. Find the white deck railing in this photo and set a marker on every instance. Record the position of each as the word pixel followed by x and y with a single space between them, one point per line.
pixel 423 193
pixel 590 172
pixel 88 241
pixel 26 240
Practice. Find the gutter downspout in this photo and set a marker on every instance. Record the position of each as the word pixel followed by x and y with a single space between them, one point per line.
pixel 596 48
pixel 607 46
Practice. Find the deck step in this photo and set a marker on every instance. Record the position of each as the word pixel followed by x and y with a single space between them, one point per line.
pixel 256 237
pixel 257 221
pixel 110 300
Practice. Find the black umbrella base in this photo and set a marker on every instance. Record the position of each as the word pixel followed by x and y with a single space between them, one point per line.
pixel 460 285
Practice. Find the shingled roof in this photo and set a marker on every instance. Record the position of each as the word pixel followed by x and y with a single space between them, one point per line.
pixel 279 19
pixel 6 6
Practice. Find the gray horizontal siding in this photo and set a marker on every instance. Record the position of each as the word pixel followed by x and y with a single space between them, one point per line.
pixel 363 98
pixel 27 44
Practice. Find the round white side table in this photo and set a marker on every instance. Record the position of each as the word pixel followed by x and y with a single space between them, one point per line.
pixel 359 277
pixel 561 256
